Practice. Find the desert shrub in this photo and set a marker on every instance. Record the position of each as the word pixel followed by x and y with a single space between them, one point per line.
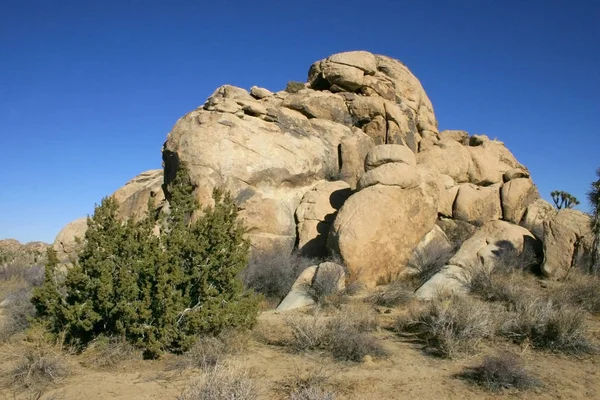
pixel 312 385
pixel 38 368
pixel 496 286
pixel 393 295
pixel 324 288
pixel 31 275
pixel 345 335
pixel 505 371
pixel 580 291
pixel 157 292
pixel 273 272
pixel 106 352
pixel 209 351
pixel 547 325
pixel 450 327
pixel 426 263
pixel 294 87
pixel 223 382
pixel 18 312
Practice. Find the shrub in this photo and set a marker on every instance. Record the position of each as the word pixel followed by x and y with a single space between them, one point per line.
pixel 38 368
pixel 223 382
pixel 345 335
pixel 272 273
pixel 309 386
pixel 449 327
pixel 31 275
pixel 505 371
pixel 17 313
pixel 426 263
pixel 106 352
pixel 393 295
pixel 580 291
pixel 499 286
pixel 324 287
pixel 294 87
pixel 210 351
pixel 158 293
pixel 547 325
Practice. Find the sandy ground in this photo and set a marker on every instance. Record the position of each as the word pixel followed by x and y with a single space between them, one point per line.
pixel 408 373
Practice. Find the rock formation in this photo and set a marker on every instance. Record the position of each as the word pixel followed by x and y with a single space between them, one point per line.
pixel 352 163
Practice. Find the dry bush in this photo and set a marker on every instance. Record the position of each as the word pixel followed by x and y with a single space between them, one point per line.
pixel 497 286
pixel 106 352
pixel 38 368
pixel 345 335
pixel 312 385
pixel 272 273
pixel 324 288
pixel 393 295
pixel 210 351
pixel 426 263
pixel 32 275
pixel 224 382
pixel 581 291
pixel 505 371
pixel 17 313
pixel 450 327
pixel 547 325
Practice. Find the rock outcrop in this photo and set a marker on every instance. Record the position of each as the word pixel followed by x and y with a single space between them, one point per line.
pixel 352 163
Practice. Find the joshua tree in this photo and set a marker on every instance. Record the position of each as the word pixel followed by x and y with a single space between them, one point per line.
pixel 564 199
pixel 594 199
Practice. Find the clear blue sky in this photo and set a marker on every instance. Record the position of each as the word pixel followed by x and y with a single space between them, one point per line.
pixel 90 89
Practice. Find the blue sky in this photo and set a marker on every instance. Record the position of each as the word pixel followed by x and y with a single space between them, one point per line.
pixel 89 89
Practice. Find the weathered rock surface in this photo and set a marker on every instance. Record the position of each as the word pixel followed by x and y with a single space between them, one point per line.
pixel 389 153
pixel 567 243
pixel 68 240
pixel 133 197
pixel 516 195
pixel 535 215
pixel 477 204
pixel 298 296
pixel 315 214
pixel 378 228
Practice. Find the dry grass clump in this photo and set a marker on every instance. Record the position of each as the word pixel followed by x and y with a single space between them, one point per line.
pixel 17 311
pixel 345 335
pixel 324 288
pixel 545 324
pixel 497 286
pixel 272 273
pixel 424 264
pixel 224 382
pixel 450 327
pixel 505 371
pixel 393 295
pixel 581 291
pixel 312 385
pixel 210 351
pixel 37 369
pixel 106 352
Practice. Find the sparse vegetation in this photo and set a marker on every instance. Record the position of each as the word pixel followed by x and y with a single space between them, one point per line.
pixel 547 325
pixel 312 385
pixel 496 373
pixel 392 295
pixel 209 351
pixel 223 382
pixel 272 273
pixel 107 352
pixel 38 368
pixel 345 335
pixel 324 289
pixel 450 327
pixel 497 286
pixel 294 86
pixel 580 291
pixel 426 263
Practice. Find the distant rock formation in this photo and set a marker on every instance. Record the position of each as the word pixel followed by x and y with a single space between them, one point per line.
pixel 352 163
pixel 13 252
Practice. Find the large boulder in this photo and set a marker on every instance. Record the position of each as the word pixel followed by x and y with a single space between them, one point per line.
pixel 378 228
pixel 389 153
pixel 477 204
pixel 448 157
pixel 490 160
pixel 567 243
pixel 315 214
pixel 69 240
pixel 535 215
pixel 516 195
pixel 133 197
pixel 495 243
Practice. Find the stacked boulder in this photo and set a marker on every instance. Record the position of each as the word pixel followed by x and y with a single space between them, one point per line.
pixel 352 163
